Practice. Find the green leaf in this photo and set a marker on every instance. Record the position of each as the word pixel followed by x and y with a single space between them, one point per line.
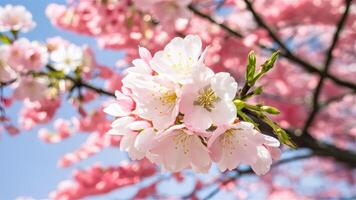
pixel 270 62
pixel 4 39
pixel 251 68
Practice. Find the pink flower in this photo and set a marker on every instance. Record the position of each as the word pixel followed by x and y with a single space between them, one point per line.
pixel 123 106
pixel 33 89
pixel 130 129
pixel 24 55
pixel 63 131
pixel 209 100
pixel 54 43
pixel 6 73
pixel 179 148
pixel 157 99
pixel 179 59
pixel 165 11
pixel 141 65
pixel 15 18
pixel 67 58
pixel 240 143
pixel 38 112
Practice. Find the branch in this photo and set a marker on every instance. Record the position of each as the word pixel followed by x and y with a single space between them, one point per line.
pixel 222 25
pixel 327 63
pixel 335 99
pixel 81 83
pixel 287 54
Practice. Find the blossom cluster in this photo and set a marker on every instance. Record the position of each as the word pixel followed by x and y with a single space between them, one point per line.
pixel 100 180
pixel 178 113
pixel 15 18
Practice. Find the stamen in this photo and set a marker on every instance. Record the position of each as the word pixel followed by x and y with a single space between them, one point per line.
pixel 168 97
pixel 207 98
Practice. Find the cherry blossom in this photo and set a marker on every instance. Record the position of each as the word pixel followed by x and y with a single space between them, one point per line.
pixel 25 55
pixel 31 89
pixel 179 148
pixel 240 143
pixel 167 121
pixel 158 8
pixel 179 59
pixel 157 99
pixel 6 72
pixel 15 18
pixel 209 100
pixel 67 59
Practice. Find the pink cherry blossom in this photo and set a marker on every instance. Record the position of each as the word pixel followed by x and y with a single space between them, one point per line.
pixel 179 148
pixel 159 8
pixel 38 112
pixel 130 129
pixel 179 59
pixel 63 131
pixel 240 143
pixel 157 99
pixel 15 18
pixel 6 73
pixel 123 106
pixel 24 55
pixel 31 89
pixel 100 180
pixel 67 59
pixel 209 100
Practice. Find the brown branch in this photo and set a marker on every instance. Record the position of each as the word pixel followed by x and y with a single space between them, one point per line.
pixel 80 83
pixel 287 54
pixel 222 25
pixel 327 64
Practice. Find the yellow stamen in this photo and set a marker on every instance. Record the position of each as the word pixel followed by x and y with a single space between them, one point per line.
pixel 207 98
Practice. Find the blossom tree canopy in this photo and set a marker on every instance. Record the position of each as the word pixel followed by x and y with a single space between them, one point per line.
pixel 207 94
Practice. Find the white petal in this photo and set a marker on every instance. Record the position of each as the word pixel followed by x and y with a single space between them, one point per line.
pixel 114 109
pixel 200 159
pixel 224 85
pixel 224 112
pixel 263 163
pixel 145 140
pixel 198 119
pixel 139 125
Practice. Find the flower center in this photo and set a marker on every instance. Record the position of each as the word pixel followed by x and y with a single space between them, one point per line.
pixel 168 97
pixel 207 98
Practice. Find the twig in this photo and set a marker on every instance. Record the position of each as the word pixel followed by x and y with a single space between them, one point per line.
pixel 80 83
pixel 327 64
pixel 222 25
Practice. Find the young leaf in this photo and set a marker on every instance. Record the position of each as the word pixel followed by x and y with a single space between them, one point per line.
pixel 270 62
pixel 251 68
